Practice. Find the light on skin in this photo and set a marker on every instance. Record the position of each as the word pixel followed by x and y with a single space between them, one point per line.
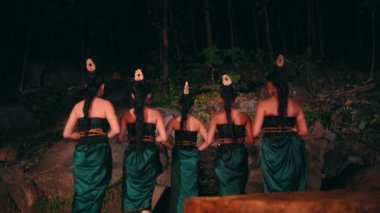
pixel 269 107
pixel 220 118
pixel 100 108
pixel 150 116
pixel 193 124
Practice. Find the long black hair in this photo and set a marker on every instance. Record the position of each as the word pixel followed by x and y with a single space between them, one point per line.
pixel 228 94
pixel 278 78
pixel 140 91
pixel 187 101
pixel 92 82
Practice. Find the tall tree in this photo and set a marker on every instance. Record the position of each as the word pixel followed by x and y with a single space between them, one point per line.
pixel 280 27
pixel 267 28
pixel 311 38
pixel 321 36
pixel 206 7
pixel 229 8
pixel 26 55
pixel 165 41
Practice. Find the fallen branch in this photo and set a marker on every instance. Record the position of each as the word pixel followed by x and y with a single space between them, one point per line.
pixel 346 92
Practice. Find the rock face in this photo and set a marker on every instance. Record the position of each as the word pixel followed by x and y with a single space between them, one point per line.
pixel 53 174
pixel 332 201
pixel 11 117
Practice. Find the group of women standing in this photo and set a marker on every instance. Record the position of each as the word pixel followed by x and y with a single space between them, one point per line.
pixel 279 118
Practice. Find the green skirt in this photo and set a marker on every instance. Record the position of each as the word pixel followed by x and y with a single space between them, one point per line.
pixel 184 176
pixel 284 163
pixel 141 168
pixel 231 169
pixel 92 174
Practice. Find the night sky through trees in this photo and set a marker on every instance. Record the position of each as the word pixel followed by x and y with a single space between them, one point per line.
pixel 130 32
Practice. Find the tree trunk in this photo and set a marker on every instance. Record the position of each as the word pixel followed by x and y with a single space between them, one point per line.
pixel 82 51
pixel 208 22
pixel 279 25
pixel 359 31
pixel 310 27
pixel 175 35
pixel 165 64
pixel 373 20
pixel 257 38
pixel 267 30
pixel 25 60
pixel 193 33
pixel 321 35
pixel 231 30
pixel 110 42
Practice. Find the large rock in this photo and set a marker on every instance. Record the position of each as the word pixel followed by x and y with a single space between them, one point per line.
pixel 53 173
pixel 367 179
pixel 11 117
pixel 15 189
pixel 332 201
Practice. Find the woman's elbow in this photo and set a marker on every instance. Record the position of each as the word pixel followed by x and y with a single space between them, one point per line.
pixel 65 135
pixel 303 133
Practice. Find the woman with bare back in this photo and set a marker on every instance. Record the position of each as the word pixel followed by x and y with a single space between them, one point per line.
pixel 184 167
pixel 141 159
pixel 97 122
pixel 234 129
pixel 282 122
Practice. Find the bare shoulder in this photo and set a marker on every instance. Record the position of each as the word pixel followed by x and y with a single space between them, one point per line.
pixel 127 115
pixel 294 107
pixel 243 115
pixel 154 112
pixel 195 119
pixel 174 119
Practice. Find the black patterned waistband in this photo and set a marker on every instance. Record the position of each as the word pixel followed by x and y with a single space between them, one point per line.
pixel 185 143
pixel 225 141
pixel 145 138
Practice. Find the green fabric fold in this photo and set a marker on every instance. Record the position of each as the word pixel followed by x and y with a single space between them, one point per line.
pixel 184 176
pixel 92 169
pixel 141 168
pixel 284 163
pixel 231 169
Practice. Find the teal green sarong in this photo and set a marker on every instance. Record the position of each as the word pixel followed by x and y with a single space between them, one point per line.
pixel 92 173
pixel 231 169
pixel 141 168
pixel 184 176
pixel 284 163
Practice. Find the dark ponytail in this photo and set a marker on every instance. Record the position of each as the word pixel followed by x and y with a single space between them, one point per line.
pixel 278 79
pixel 92 83
pixel 140 90
pixel 228 94
pixel 187 101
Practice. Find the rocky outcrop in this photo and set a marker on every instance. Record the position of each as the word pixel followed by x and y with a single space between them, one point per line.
pixel 53 173
pixel 332 201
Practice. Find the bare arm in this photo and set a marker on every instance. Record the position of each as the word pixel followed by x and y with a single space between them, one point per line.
pixel 248 130
pixel 112 120
pixel 170 128
pixel 301 124
pixel 202 131
pixel 162 137
pixel 258 120
pixel 68 131
pixel 210 135
pixel 123 128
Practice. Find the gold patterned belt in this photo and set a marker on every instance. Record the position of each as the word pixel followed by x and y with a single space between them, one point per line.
pixel 278 129
pixel 185 143
pixel 145 138
pixel 93 132
pixel 230 140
